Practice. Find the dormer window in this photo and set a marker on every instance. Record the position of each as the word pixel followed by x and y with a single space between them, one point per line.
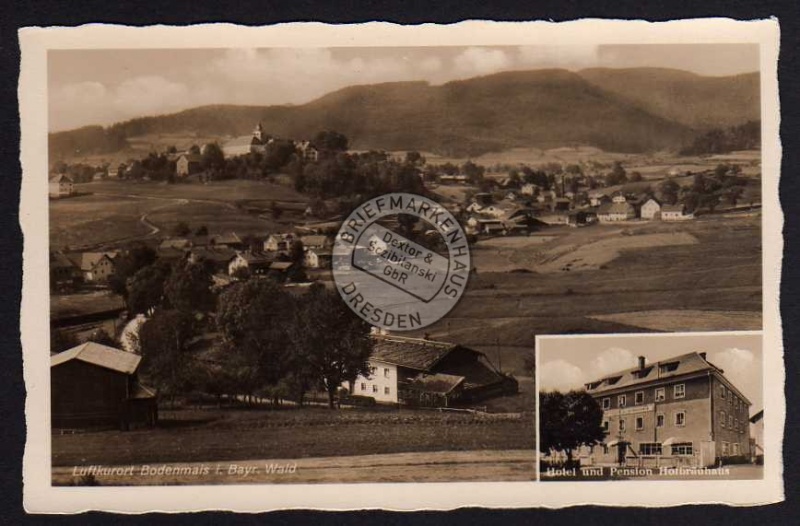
pixel 669 367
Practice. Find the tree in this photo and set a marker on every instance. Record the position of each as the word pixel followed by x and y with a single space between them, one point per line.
pixel 181 229
pixel 213 158
pixel 188 288
pixel 194 149
pixel 102 337
pixel 668 191
pixel 276 209
pixel 568 421
pixel 164 343
pixel 330 141
pixel 415 158
pixel 136 257
pixel 617 175
pixel 202 231
pixel 254 319
pixel 636 177
pixel 331 342
pixel 733 194
pixel 297 253
pixel 146 289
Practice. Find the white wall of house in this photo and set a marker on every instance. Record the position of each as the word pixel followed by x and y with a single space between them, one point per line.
pixel 650 209
pixel 380 385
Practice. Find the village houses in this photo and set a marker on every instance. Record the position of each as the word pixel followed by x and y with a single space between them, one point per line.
pixel 61 186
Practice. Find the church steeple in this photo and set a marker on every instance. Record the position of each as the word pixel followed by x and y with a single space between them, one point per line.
pixel 258 133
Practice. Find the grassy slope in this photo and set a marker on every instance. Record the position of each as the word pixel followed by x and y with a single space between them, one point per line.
pixel 240 434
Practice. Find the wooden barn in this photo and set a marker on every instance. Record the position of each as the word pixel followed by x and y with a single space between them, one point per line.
pixel 97 385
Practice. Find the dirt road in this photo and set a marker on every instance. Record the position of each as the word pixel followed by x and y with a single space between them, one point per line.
pixel 465 466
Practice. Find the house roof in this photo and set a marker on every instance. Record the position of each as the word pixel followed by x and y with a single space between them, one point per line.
pixel 255 259
pixel 61 178
pixel 216 254
pixel 230 238
pixel 59 260
pixel 280 265
pixel 101 356
pixel 241 142
pixel 322 252
pixel 315 240
pixel 653 199
pixel 677 366
pixel 435 383
pixel 412 353
pixel 673 208
pixel 175 242
pixel 90 259
pixel 615 208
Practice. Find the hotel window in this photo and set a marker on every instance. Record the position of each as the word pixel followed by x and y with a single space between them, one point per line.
pixel 386 372
pixel 386 390
pixel 372 370
pixel 722 391
pixel 363 386
pixel 724 449
pixel 730 398
pixel 680 418
pixel 661 394
pixel 679 391
pixel 730 421
pixel 374 388
pixel 682 448
pixel 605 425
pixel 622 400
pixel 639 423
pixel 736 449
pixel 606 403
pixel 622 424
pixel 660 420
pixel 722 419
pixel 638 398
pixel 649 448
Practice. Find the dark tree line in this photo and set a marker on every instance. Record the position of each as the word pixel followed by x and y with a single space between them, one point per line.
pixel 746 136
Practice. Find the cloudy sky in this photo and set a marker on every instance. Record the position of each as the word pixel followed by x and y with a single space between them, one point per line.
pixel 569 363
pixel 107 86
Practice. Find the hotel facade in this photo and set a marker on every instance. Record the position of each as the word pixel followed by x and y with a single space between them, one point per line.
pixel 681 411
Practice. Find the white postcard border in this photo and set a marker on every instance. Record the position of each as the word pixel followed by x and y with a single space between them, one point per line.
pixel 40 496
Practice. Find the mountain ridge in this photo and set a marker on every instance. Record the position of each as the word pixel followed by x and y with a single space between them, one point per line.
pixel 625 110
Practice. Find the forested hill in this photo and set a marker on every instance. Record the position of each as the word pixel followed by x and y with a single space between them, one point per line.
pixel 629 110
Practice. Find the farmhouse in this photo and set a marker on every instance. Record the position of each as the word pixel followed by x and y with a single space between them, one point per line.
pixel 216 257
pixel 255 264
pixel 651 209
pixel 278 242
pixel 97 266
pixel 675 213
pixel 419 372
pixel 318 258
pixel 307 151
pixel 188 164
pixel 681 411
pixel 316 241
pixel 61 186
pixel 230 240
pixel 94 384
pixel 611 212
pixel 63 272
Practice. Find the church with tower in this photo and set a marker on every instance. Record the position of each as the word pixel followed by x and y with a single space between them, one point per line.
pixel 245 144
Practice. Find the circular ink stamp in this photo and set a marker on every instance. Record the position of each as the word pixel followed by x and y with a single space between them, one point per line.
pixel 394 282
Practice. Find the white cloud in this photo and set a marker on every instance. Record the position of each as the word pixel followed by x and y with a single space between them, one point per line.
pixel 742 367
pixel 481 61
pixel 610 361
pixel 560 375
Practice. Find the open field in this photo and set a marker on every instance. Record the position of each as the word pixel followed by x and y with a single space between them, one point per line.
pixel 240 434
pixel 435 466
pixel 717 277
pixel 114 211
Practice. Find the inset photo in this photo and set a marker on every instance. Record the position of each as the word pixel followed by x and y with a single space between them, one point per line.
pixel 650 406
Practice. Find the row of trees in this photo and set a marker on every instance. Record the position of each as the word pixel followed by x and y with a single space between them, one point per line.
pixel 272 343
pixel 745 136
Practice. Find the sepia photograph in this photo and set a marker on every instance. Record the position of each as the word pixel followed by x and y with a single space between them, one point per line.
pixel 196 195
pixel 379 262
pixel 690 406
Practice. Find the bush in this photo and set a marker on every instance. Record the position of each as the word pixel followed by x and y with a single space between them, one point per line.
pixel 358 400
